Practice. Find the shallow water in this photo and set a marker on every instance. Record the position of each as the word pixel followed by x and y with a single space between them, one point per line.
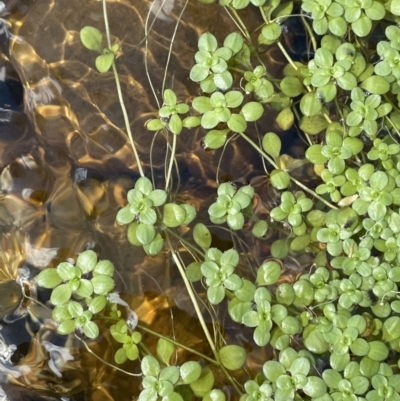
pixel 66 165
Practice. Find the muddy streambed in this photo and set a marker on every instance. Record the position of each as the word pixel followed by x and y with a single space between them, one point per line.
pixel 66 165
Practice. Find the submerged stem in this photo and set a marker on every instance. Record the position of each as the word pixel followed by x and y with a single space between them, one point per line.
pixel 166 338
pixel 119 91
pixel 304 187
pixel 171 161
pixel 193 298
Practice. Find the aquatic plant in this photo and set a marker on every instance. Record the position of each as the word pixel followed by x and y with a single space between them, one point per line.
pixel 335 328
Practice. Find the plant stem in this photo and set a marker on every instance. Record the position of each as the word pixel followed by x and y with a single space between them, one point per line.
pixel 154 333
pixel 186 243
pixel 198 312
pixel 171 162
pixel 239 22
pixel 305 188
pixel 105 362
pixel 309 31
pixel 119 91
pixel 193 298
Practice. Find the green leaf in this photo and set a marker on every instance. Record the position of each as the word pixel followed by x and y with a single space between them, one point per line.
pixel 191 122
pixel 145 233
pixel 280 248
pixel 61 295
pixel 300 243
pixel 313 125
pixel 67 271
pixel 75 309
pixel 174 215
pixel 279 179
pixel 285 119
pixel 215 395
pixel 233 99
pixel 104 267
pixel 150 366
pixel 300 366
pixel 315 342
pixel 269 273
pixel 260 228
pixel 310 105
pixel 66 327
pixel 190 372
pixel 190 213
pixel 368 367
pixel 155 246
pixel 170 373
pixel 232 356
pixel 271 32
pixel 193 272
pixel 102 284
pixel 169 97
pixel 216 138
pixel 204 383
pixel 202 235
pixel 85 289
pixel 91 329
pixel 234 41
pixel 237 123
pixel 395 7
pixel 376 84
pixel 271 144
pixel 104 62
pixel 378 351
pixel 164 350
pixel 175 124
pixel 61 313
pixel 252 111
pixel 360 347
pixel 97 304
pixel 315 387
pixel 87 261
pixel 207 42
pixel 272 370
pixel 391 328
pixel 120 356
pixel 291 86
pixel 48 278
pixel 314 154
pixel 144 185
pixel 91 38
pixel 216 294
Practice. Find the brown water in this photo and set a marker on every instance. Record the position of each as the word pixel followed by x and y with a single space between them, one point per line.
pixel 66 165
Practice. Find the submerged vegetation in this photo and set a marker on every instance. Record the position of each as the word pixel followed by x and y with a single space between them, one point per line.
pixel 333 331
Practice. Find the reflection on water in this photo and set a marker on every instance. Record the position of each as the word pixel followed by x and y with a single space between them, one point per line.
pixel 66 166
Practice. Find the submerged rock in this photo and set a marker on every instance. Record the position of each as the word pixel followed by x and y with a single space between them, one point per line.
pixel 10 297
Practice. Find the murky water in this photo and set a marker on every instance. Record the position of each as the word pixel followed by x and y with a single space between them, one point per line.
pixel 66 165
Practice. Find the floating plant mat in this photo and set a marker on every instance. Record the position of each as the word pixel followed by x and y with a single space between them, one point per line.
pixel 66 166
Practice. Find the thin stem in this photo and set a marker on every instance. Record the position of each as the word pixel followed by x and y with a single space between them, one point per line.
pixel 106 23
pixel 305 188
pixel 172 43
pixel 193 298
pixel 309 31
pixel 105 362
pixel 391 123
pixel 386 97
pixel 166 338
pixel 119 91
pixel 126 120
pixel 171 161
pixel 237 19
pixel 186 243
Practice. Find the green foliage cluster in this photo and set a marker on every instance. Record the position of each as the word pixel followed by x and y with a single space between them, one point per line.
pixel 335 328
